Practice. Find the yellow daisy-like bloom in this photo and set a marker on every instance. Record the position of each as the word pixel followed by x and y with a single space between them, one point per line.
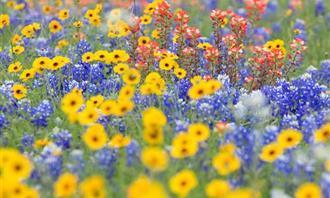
pixel 184 145
pixel 322 134
pixel 95 101
pixel 121 68
pixel 227 148
pixel 27 74
pixel 271 152
pixel 198 91
pixel 146 19
pixel 46 9
pixel 196 80
pixel 131 77
pixel 143 40
pixel 28 31
pixel 41 63
pixel 95 137
pixel 4 20
pixel 126 92
pixel 118 56
pixel 155 34
pixel 54 26
pixel 167 64
pixel 153 136
pixel 63 14
pixel 119 141
pixel 145 187
pixel 213 86
pixel 149 9
pixel 108 106
pixel 101 55
pixel 93 187
pixel 180 73
pixel 71 102
pixel 88 57
pixel 153 117
pixel 66 185
pixel 308 190
pixel 204 45
pixel 16 39
pixel 289 138
pixel 19 91
pixel 18 50
pixel 15 67
pixel 90 14
pixel 199 131
pixel 183 182
pixel 217 188
pixel 88 116
pixel 154 158
pixel 226 163
pixel 269 45
pixel 78 24
pixel 123 107
pixel 62 43
pixel 243 193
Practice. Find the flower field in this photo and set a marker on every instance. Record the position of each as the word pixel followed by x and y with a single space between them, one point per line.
pixel 165 98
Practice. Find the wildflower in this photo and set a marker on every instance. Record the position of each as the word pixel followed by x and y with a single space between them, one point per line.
pixel 16 39
pixel 149 9
pixel 119 141
pixel 95 21
pixel 196 80
pixel 126 92
pixel 15 67
pixel 19 91
pixel 46 9
pixel 204 45
pixel 310 190
pixel 199 131
pixel 184 145
pixel 226 163
pixel 93 186
pixel 183 182
pixel 180 73
pixel 153 118
pixel 118 56
pixel 18 50
pixel 27 74
pixel 121 68
pixel 41 143
pixel 154 158
pixel 66 185
pixel 101 55
pixel 123 107
pixel 213 86
pixel 78 24
pixel 271 152
pixel 227 148
pixel 145 187
pixel 167 64
pixel 143 40
pixel 108 106
pixel 15 165
pixel 198 91
pixel 4 20
pixel 90 14
pixel 88 116
pixel 155 34
pixel 95 101
pixel 41 63
pixel 95 137
pixel 62 43
pixel 54 26
pixel 71 102
pixel 146 19
pixel 87 57
pixel 131 77
pixel 243 192
pixel 289 138
pixel 153 136
pixel 322 134
pixel 217 188
pixel 63 14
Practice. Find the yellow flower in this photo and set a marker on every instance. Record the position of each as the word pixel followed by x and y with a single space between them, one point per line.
pixel 123 107
pixel 66 185
pixel 118 56
pixel 18 50
pixel 4 20
pixel 204 45
pixel 199 131
pixel 154 158
pixel 278 44
pixel 226 163
pixel 119 141
pixel 289 138
pixel 120 68
pixel 63 14
pixel 271 152
pixel 308 190
pixel 153 136
pixel 54 26
pixel 183 182
pixel 27 74
pixel 71 102
pixel 167 64
pixel 101 55
pixel 148 89
pixel 19 91
pixel 269 45
pixel 143 187
pixel 227 148
pixel 16 39
pixel 213 86
pixel 62 43
pixel 88 116
pixel 88 57
pixel 155 34
pixel 108 106
pixel 15 67
pixel 180 73
pixel 198 91
pixel 90 14
pixel 217 188
pixel 184 145
pixel 46 9
pixel 57 63
pixel 41 143
pixel 41 63
pixel 146 19
pixel 153 118
pixel 28 31
pixel 93 187
pixel 143 40
pixel 149 9
pixel 126 92
pixel 196 80
pixel 322 134
pixel 78 24
pixel 95 101
pixel 95 21
pixel 131 77
pixel 95 137
pixel 14 165
pixel 243 193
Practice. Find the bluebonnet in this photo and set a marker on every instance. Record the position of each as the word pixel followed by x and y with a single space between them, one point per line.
pixel 27 140
pixel 62 139
pixel 76 163
pixel 82 47
pixel 325 184
pixel 106 159
pixel 319 8
pixel 41 113
pixel 322 74
pixel 132 152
